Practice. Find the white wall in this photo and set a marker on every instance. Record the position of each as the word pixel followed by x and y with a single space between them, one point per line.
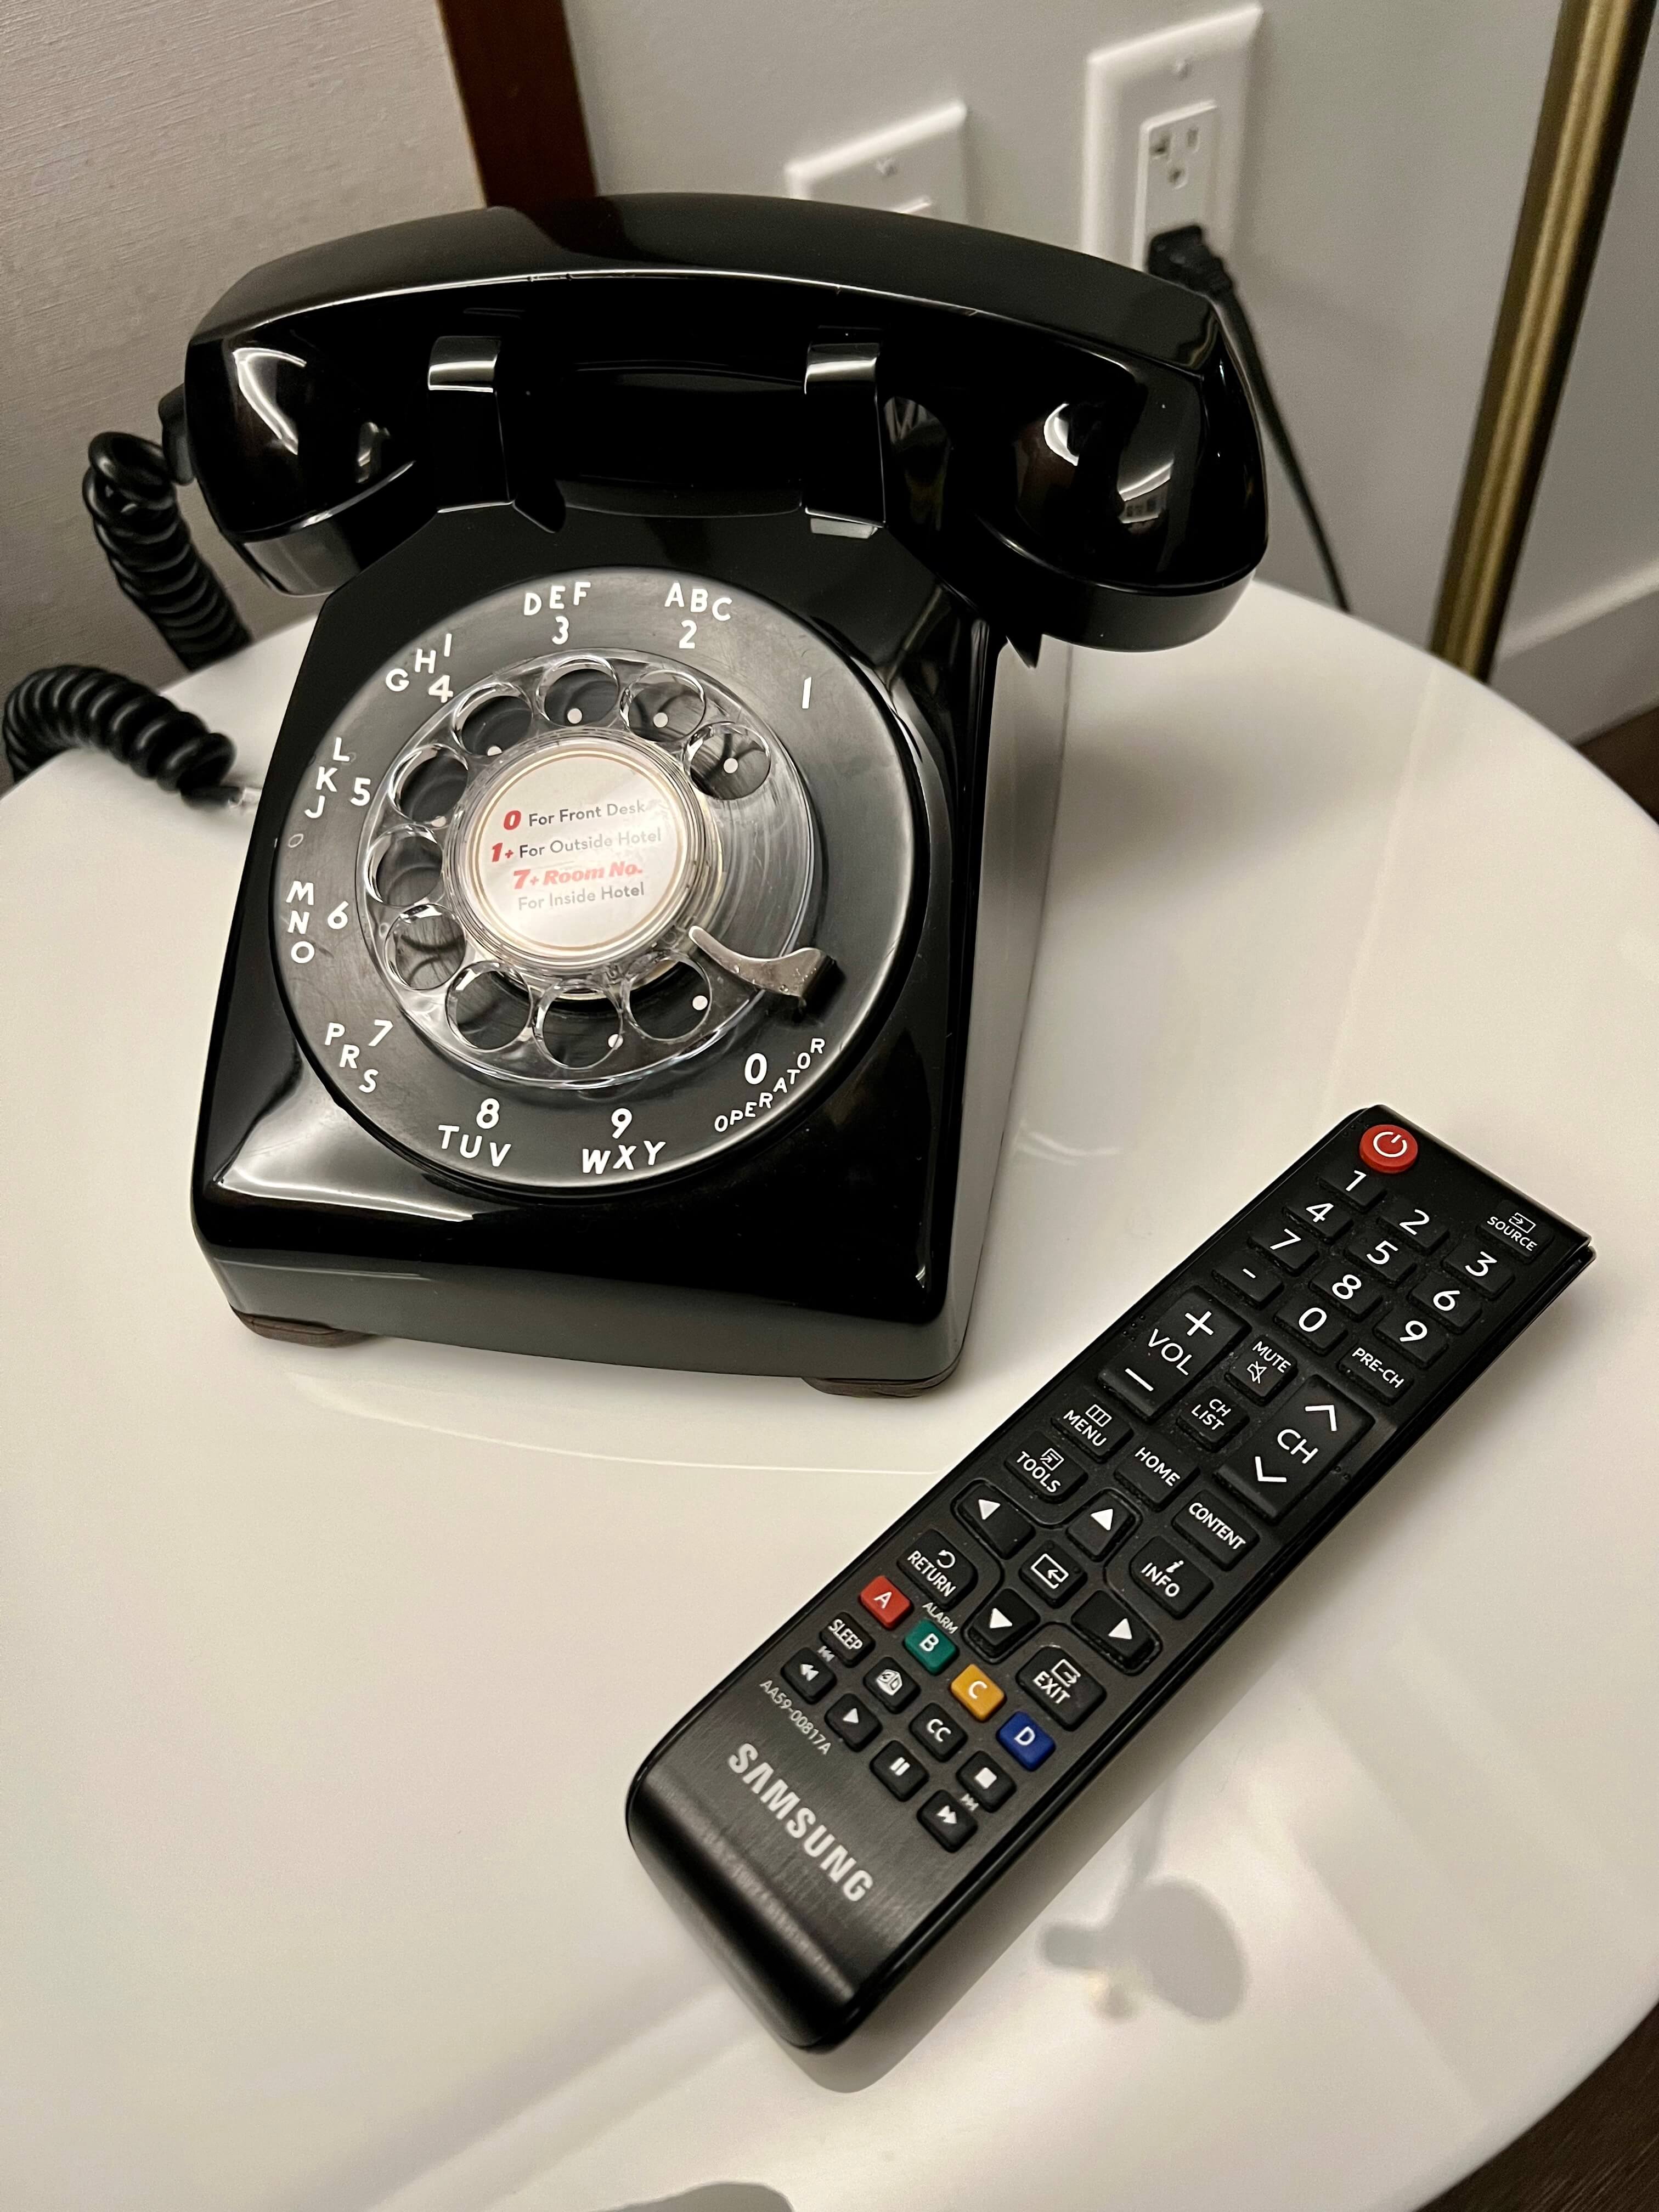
pixel 1388 141
pixel 1581 648
pixel 153 151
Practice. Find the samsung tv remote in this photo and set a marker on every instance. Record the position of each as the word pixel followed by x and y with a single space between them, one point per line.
pixel 847 1792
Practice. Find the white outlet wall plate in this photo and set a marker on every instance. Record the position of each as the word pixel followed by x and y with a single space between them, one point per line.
pixel 1189 78
pixel 919 166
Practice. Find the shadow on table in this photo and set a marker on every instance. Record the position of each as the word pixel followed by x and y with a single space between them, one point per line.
pixel 717 2197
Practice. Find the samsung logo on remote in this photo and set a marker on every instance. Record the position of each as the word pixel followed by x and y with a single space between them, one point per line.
pixel 784 1804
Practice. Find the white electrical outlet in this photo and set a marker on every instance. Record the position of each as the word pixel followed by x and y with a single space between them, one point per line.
pixel 1163 134
pixel 915 168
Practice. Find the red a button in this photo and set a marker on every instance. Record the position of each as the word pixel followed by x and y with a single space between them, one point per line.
pixel 1388 1148
pixel 884 1600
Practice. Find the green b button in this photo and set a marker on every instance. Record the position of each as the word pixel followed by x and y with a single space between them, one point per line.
pixel 931 1645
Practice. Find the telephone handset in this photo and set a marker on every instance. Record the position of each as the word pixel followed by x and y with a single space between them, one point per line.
pixel 638 920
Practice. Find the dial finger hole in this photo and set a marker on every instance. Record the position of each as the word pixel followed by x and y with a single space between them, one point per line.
pixel 425 948
pixel 408 871
pixel 666 704
pixel 673 1006
pixel 579 1033
pixel 727 761
pixel 429 786
pixel 494 724
pixel 489 1009
pixel 580 692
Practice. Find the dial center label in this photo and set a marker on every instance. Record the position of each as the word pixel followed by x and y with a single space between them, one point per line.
pixel 579 852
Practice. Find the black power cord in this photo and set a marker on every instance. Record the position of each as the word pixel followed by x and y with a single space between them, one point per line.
pixel 131 495
pixel 1185 257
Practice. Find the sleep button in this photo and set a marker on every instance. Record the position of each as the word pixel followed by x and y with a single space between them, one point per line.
pixel 1217 1530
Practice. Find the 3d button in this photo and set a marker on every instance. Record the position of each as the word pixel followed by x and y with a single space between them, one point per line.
pixel 989 1514
pixel 1115 1629
pixel 890 1685
pixel 1157 1468
pixel 1262 1367
pixel 934 1729
pixel 1045 1467
pixel 1020 1734
pixel 845 1636
pixel 885 1600
pixel 807 1676
pixel 1164 1568
pixel 975 1689
pixel 946 1821
pixel 1054 1574
pixel 1216 1529
pixel 901 1770
pixel 1388 1148
pixel 1095 1429
pixel 984 1781
pixel 931 1645
pixel 937 1563
pixel 1102 1525
pixel 854 1722
pixel 1002 1622
pixel 1065 1692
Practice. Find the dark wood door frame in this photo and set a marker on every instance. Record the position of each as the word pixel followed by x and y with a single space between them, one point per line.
pixel 517 76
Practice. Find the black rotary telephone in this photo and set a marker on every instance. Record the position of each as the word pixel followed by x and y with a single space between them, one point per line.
pixel 635 935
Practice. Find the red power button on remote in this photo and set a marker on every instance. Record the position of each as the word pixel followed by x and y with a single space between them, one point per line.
pixel 1388 1148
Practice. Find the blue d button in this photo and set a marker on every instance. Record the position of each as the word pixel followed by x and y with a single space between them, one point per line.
pixel 1020 1734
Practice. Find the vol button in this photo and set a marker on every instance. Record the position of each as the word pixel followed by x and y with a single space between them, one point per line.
pixel 1388 1148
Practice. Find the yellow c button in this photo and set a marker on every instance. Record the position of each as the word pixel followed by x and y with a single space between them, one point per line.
pixel 975 1690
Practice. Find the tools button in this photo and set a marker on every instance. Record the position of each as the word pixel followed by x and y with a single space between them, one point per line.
pixel 1169 1574
pixel 931 1646
pixel 1002 1622
pixel 934 1729
pixel 1117 1629
pixel 993 1517
pixel 901 1771
pixel 1020 1734
pixel 1050 1472
pixel 884 1601
pixel 1066 1692
pixel 947 1820
pixel 1388 1148
pixel 807 1676
pixel 975 1689
pixel 854 1722
pixel 935 1561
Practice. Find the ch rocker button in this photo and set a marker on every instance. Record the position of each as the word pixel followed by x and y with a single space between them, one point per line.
pixel 934 1562
pixel 1283 1458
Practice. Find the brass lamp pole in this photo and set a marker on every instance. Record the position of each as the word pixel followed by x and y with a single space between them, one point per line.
pixel 1593 67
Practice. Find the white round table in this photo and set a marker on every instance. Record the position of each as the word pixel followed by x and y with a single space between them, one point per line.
pixel 322 1674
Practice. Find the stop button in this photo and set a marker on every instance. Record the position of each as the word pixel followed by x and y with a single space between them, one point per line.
pixel 1388 1148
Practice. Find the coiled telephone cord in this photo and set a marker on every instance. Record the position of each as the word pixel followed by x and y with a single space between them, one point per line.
pixel 131 495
